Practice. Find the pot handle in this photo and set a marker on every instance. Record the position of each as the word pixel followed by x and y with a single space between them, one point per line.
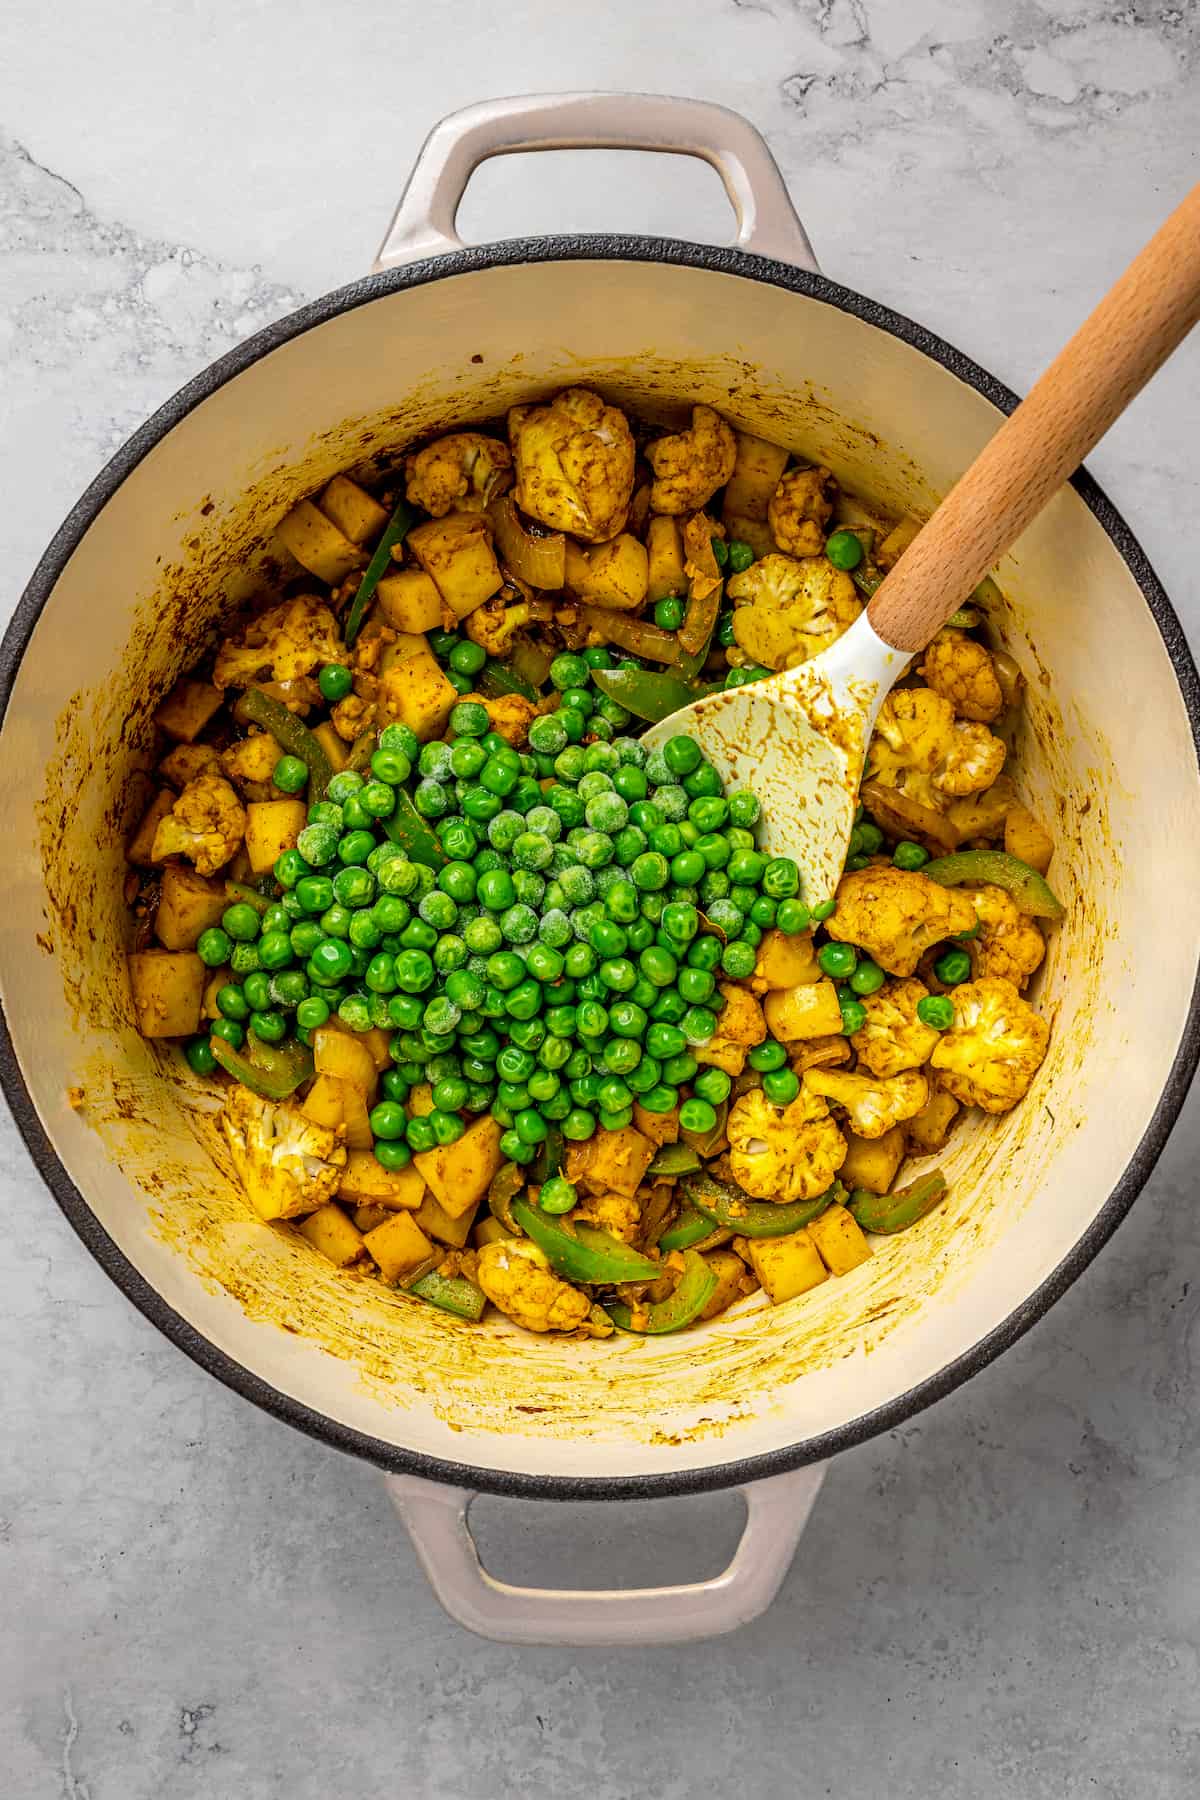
pixel 424 222
pixel 777 1511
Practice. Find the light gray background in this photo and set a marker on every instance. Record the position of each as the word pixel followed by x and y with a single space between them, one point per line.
pixel 198 1604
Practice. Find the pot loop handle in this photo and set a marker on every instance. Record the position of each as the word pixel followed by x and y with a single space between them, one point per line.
pixel 424 222
pixel 777 1511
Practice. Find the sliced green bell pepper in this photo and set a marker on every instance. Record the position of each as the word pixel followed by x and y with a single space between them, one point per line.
pixel 507 1183
pixel 500 678
pixel 888 1213
pixel 1029 890
pixel 724 1204
pixel 407 828
pixel 293 735
pixel 361 751
pixel 272 1070
pixel 548 1160
pixel 249 896
pixel 689 1229
pixel 403 518
pixel 453 1294
pixel 695 1289
pixel 673 1159
pixel 582 1252
pixel 645 693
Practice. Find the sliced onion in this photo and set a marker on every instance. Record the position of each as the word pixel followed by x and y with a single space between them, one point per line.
pixel 538 560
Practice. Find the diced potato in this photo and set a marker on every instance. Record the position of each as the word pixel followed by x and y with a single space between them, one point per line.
pixel 461 1173
pixel 417 693
pixel 786 1266
pixel 317 544
pixel 1027 838
pixel 437 1223
pixel 343 1055
pixel 188 904
pixel 366 1218
pixel 407 645
pixel 784 962
pixel 756 472
pixel 337 752
pixel 410 601
pixel 141 844
pixel 930 1128
pixel 660 1128
pixel 755 532
pixel 664 553
pixel 420 1100
pixel 187 709
pixel 332 1233
pixel 613 574
pixel 807 1011
pixel 377 1043
pixel 239 869
pixel 359 1135
pixel 357 514
pixel 399 1247
pixel 488 1231
pixel 168 986
pixel 983 815
pixel 187 762
pixel 729 1270
pixel 272 826
pixel 839 1240
pixel 614 1162
pixel 896 542
pixel 872 1162
pixel 457 552
pixel 217 979
pixel 325 1102
pixel 366 1182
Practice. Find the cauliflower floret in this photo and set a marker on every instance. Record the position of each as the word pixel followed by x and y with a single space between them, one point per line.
pixel 786 611
pixel 290 640
pixel 920 749
pixel 574 463
pixel 495 624
pixel 206 824
pixel 799 511
pixel 465 467
pixel 691 466
pixel 787 1152
pixel 873 1104
pixel 517 1278
pixel 510 716
pixel 962 671
pixel 994 1048
pixel 353 715
pixel 896 914
pixel 1010 943
pixel 287 1165
pixel 251 764
pixel 619 1213
pixel 893 1038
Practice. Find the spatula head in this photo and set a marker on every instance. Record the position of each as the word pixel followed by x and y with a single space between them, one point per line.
pixel 798 742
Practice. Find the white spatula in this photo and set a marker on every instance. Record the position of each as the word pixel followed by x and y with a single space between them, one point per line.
pixel 798 740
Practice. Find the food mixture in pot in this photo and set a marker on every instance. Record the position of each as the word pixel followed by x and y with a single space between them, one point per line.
pixel 506 1010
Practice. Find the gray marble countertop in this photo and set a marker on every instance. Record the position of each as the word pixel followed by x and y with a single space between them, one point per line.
pixel 1003 1598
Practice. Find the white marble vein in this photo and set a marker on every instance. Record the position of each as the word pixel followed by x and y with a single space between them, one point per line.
pixel 1001 1600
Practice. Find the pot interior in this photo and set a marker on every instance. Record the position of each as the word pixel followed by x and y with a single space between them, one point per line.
pixel 1107 758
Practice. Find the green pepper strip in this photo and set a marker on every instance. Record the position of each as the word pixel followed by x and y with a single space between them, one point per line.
pixel 728 1206
pixel 507 1183
pixel 548 1160
pixel 864 580
pixel 1028 889
pixel 965 619
pixel 888 1213
pixel 294 737
pixel 690 1228
pixel 398 526
pixel 407 828
pixel 361 751
pixel 500 678
pixel 644 693
pixel 673 1159
pixel 582 1252
pixel 237 890
pixel 453 1294
pixel 695 1288
pixel 276 1071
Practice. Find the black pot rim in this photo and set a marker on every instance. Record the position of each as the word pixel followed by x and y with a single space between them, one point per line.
pixel 226 1368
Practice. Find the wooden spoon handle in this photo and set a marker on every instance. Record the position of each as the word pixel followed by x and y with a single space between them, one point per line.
pixel 1110 358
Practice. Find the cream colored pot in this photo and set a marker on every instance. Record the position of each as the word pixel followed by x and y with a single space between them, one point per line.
pixel 183 519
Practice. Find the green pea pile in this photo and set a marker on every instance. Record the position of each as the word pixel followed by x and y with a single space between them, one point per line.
pixel 542 933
